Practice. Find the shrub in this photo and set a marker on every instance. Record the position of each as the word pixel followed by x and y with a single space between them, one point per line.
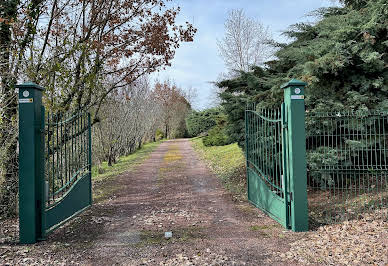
pixel 199 122
pixel 216 137
pixel 159 134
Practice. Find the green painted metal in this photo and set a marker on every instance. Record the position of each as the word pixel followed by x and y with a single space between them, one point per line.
pixel 264 161
pixel 334 165
pixel 296 152
pixel 68 164
pixel 285 165
pixel 90 157
pixel 54 165
pixel 31 167
pixel 72 201
pixel 294 83
pixel 276 158
pixel 41 181
pixel 347 159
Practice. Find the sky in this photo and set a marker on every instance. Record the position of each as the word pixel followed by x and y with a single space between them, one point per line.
pixel 197 64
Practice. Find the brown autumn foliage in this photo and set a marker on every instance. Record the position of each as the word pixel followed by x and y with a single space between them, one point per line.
pixel 174 107
pixel 90 48
pixel 80 51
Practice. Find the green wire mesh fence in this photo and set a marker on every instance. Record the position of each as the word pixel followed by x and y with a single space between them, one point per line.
pixel 346 164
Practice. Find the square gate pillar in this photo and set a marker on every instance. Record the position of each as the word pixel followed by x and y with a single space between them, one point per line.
pixel 296 147
pixel 31 162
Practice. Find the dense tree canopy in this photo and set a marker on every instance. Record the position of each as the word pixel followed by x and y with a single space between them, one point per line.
pixel 198 122
pixel 342 57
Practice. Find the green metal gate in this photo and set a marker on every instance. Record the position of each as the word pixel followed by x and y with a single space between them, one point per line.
pixel 54 165
pixel 266 170
pixel 276 159
pixel 347 162
pixel 68 167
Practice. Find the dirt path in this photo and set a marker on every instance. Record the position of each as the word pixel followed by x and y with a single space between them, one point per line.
pixel 171 191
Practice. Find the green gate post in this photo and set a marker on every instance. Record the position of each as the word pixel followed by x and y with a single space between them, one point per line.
pixel 296 138
pixel 31 163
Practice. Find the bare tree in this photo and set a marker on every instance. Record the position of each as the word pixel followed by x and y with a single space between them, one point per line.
pixel 245 43
pixel 10 66
pixel 174 107
pixel 128 118
pixel 84 52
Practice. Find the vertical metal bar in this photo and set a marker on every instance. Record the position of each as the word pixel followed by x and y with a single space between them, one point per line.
pixel 76 157
pixel 246 148
pixel 369 158
pixel 284 161
pixel 261 141
pixel 358 163
pixel 53 157
pixel 61 153
pixel 270 157
pixel 382 158
pixel 79 142
pixel 82 141
pixel 44 188
pixel 343 176
pixel 378 187
pixel 376 167
pixel 255 136
pixel 265 153
pixel 65 138
pixel 72 147
pixel 57 182
pixel 273 155
pixel 332 189
pixel 278 153
pixel 48 156
pixel 85 140
pixel 90 156
pixel 385 119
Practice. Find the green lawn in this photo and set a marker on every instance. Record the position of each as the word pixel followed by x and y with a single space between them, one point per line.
pixel 227 162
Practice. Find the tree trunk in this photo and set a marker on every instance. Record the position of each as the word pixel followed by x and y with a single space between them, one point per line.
pixel 110 157
pixel 110 160
pixel 8 137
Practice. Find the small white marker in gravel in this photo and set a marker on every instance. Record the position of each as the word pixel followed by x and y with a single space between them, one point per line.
pixel 167 235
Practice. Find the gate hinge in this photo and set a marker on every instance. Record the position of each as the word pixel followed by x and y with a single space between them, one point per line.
pixel 285 126
pixel 291 196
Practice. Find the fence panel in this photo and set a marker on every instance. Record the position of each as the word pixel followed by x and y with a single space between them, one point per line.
pixel 346 164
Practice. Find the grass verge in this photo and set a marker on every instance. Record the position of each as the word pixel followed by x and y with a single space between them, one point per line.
pixel 103 175
pixel 228 163
pixel 124 163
